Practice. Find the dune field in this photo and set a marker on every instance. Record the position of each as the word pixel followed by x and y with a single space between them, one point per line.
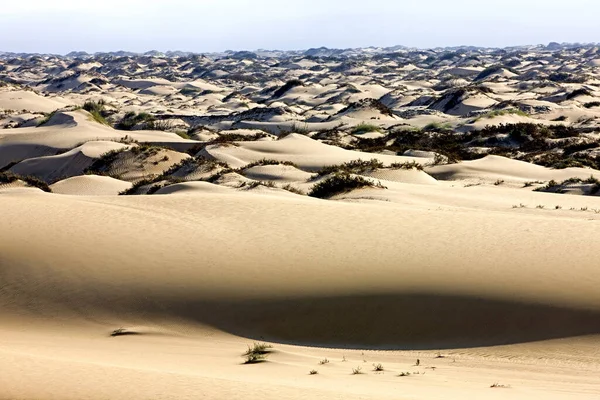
pixel 383 223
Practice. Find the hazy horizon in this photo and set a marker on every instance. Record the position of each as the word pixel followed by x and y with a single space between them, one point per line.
pixel 206 26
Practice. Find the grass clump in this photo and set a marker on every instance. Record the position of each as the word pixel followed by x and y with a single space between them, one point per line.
pixel 313 372
pixel 293 189
pixel 365 128
pixel 341 183
pixel 357 371
pixel 47 117
pixel 257 353
pixel 437 126
pixel 131 120
pixel 9 177
pixel 500 113
pixel 352 167
pixel 97 111
pixel 378 368
pixel 101 164
pixel 265 161
pixel 407 166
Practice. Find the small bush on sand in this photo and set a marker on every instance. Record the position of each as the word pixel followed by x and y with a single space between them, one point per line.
pixel 313 372
pixel 341 183
pixel 324 361
pixel 357 371
pixel 378 368
pixel 257 353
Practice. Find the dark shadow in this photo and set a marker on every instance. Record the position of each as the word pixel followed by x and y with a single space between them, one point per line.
pixel 394 322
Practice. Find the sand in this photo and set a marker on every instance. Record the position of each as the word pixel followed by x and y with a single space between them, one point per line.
pixel 461 266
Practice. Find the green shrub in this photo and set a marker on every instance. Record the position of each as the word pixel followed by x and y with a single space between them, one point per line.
pixel 365 128
pixel 352 167
pixel 97 110
pixel 47 117
pixel 341 183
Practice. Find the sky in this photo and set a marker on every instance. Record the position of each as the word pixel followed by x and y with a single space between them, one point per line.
pixel 61 26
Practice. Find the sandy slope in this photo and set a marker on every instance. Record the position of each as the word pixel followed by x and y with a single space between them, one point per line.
pixel 430 279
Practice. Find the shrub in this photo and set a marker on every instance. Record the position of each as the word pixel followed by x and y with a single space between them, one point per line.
pixel 101 164
pixel 352 167
pixel 266 161
pixel 357 371
pixel 97 111
pixel 407 165
pixel 47 117
pixel 592 104
pixel 292 189
pixel 365 128
pixel 324 361
pixel 499 113
pixel 257 353
pixel 437 126
pixel 8 177
pixel 341 183
pixel 183 134
pixel 313 372
pixel 378 367
pixel 131 119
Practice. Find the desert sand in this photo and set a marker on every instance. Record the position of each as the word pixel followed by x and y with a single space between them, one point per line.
pixel 161 213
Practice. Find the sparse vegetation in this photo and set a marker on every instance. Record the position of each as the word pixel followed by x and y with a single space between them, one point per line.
pixel 97 111
pixel 592 104
pixel 357 371
pixel 47 117
pixel 500 113
pixel 257 353
pixel 407 166
pixel 341 183
pixel 365 128
pixel 8 177
pixel 352 167
pixel 313 372
pixel 378 368
pixel 438 126
pixel 497 385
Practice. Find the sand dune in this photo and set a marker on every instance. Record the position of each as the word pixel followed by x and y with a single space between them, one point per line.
pixel 181 224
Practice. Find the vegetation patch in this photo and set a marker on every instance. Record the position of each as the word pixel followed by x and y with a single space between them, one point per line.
pixel 47 117
pixel 365 128
pixel 8 177
pixel 341 183
pixel 257 353
pixel 97 110
pixel 352 167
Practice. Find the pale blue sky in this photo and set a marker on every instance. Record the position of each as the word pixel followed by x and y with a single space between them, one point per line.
pixel 59 26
